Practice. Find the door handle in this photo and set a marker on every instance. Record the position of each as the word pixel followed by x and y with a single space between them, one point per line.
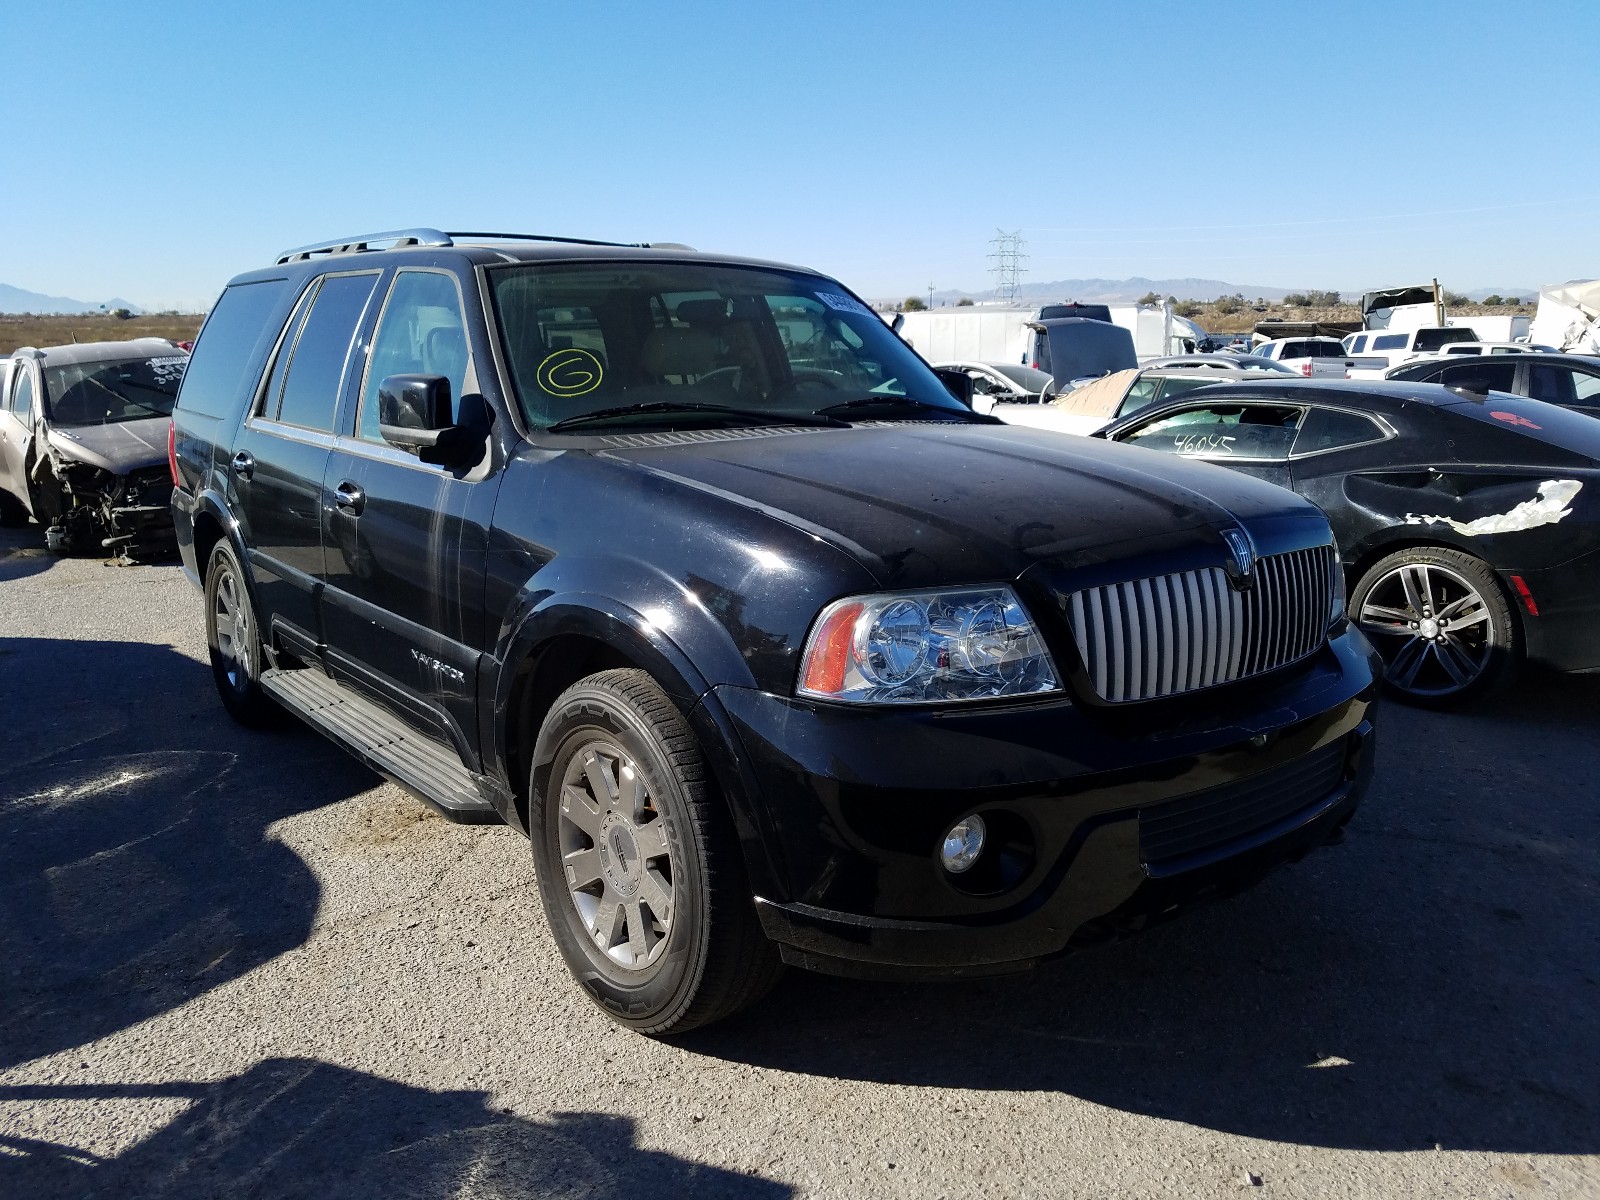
pixel 349 498
pixel 244 464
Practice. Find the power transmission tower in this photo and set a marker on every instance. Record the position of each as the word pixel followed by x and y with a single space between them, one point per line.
pixel 1007 258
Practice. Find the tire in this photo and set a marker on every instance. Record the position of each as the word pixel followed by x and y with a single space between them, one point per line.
pixel 234 639
pixel 13 512
pixel 625 821
pixel 1443 624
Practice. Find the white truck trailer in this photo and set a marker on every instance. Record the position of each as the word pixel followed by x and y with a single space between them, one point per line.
pixel 990 333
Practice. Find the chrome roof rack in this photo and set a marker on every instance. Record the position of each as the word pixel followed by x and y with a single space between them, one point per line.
pixel 396 238
pixel 354 245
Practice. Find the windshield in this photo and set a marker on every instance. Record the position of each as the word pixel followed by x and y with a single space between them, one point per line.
pixel 585 337
pixel 1026 378
pixel 110 391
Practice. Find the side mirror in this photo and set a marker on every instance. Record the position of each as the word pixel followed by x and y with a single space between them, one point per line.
pixel 958 383
pixel 414 414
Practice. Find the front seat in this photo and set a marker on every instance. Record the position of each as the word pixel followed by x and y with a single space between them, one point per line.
pixel 684 354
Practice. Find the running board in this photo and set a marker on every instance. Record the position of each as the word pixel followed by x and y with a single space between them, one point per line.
pixel 418 763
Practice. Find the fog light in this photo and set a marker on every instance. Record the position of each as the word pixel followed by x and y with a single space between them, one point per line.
pixel 962 844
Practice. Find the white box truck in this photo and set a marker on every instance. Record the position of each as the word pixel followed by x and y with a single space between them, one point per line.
pixel 989 333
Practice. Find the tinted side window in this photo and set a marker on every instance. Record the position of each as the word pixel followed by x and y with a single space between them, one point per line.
pixel 1330 429
pixel 1223 431
pixel 22 398
pixel 316 369
pixel 421 332
pixel 1360 344
pixel 1551 383
pixel 219 370
pixel 1585 387
pixel 1479 376
pixel 1389 341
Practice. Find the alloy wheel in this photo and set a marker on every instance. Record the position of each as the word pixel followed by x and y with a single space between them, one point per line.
pixel 231 617
pixel 615 855
pixel 1432 626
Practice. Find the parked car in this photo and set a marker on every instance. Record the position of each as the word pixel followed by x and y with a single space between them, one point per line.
pixel 1476 348
pixel 1469 526
pixel 772 664
pixel 83 444
pixel 1570 380
pixel 1011 383
pixel 1101 401
pixel 1223 361
pixel 1377 350
pixel 1309 356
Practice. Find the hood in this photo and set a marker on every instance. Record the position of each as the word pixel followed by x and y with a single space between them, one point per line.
pixel 120 448
pixel 931 504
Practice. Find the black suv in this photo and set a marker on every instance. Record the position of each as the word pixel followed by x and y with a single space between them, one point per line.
pixel 691 569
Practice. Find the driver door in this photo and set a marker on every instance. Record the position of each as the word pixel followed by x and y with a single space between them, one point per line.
pixel 17 410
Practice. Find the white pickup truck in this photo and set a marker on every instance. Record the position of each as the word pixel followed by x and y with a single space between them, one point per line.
pixel 1316 357
pixel 1376 350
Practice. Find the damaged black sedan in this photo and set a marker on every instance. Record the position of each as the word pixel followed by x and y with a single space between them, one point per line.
pixel 1469 524
pixel 84 444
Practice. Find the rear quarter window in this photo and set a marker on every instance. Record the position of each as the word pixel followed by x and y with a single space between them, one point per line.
pixel 1325 429
pixel 227 358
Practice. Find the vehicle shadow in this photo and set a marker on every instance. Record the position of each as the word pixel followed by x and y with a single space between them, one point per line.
pixel 1433 981
pixel 298 1127
pixel 23 552
pixel 137 873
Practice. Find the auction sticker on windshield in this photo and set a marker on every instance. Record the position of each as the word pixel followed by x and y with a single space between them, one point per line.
pixel 844 303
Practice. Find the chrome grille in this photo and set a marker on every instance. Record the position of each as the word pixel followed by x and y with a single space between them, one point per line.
pixel 1179 633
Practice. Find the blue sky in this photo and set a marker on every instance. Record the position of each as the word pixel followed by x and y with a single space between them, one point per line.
pixel 157 149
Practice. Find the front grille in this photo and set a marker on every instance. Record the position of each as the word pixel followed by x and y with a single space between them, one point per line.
pixel 1218 815
pixel 1179 633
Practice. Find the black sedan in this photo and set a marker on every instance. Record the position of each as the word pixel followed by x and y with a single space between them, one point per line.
pixel 1570 380
pixel 1469 524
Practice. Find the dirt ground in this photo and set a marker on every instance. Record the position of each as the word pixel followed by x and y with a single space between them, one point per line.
pixel 237 963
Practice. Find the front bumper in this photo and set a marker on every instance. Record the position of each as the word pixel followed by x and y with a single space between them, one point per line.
pixel 1083 808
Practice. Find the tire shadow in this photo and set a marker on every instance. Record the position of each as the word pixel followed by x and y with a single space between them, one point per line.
pixel 1433 981
pixel 137 872
pixel 298 1127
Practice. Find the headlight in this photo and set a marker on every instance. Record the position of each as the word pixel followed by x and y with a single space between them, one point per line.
pixel 1336 600
pixel 926 648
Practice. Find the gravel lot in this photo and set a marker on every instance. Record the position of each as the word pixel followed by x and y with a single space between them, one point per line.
pixel 239 963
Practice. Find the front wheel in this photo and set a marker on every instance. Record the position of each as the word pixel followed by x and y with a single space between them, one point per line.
pixel 638 866
pixel 1442 623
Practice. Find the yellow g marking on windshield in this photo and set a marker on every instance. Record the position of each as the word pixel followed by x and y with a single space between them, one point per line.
pixel 570 372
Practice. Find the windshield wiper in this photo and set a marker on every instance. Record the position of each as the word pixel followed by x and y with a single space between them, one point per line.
pixel 881 400
pixel 821 420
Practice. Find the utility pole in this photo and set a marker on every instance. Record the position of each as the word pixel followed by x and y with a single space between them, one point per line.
pixel 1007 258
pixel 930 297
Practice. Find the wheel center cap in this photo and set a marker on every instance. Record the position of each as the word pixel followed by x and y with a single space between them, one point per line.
pixel 1429 628
pixel 619 854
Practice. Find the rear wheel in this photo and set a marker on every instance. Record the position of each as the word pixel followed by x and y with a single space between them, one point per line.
pixel 234 639
pixel 639 870
pixel 1443 625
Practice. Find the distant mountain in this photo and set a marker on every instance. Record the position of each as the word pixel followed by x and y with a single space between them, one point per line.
pixel 1110 290
pixel 19 300
pixel 1107 291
